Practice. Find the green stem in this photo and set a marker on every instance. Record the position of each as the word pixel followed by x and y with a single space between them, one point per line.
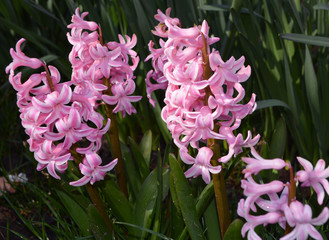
pixel 223 212
pixel 115 144
pixel 92 190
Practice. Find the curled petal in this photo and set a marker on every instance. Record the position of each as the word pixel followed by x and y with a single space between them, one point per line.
pixel 82 181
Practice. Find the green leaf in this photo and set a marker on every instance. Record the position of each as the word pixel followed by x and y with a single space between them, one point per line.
pixel 311 85
pixel 145 201
pixel 27 223
pixel 139 158
pixel 211 221
pixel 41 9
pixel 174 193
pixel 71 6
pixel 279 139
pixel 302 38
pixel 29 36
pixel 161 124
pixel 234 230
pixel 158 207
pixel 6 8
pixel 185 199
pixel 78 214
pixel 321 6
pixel 132 173
pixel 145 229
pixel 216 7
pixel 312 92
pixel 289 85
pixel 119 204
pixel 204 198
pixel 271 103
pixel 49 58
pixel 142 21
pixel 110 32
pixel 97 224
pixel 146 146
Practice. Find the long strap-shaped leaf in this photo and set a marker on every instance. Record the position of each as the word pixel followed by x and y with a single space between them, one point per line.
pixel 185 199
pixel 312 91
pixel 302 38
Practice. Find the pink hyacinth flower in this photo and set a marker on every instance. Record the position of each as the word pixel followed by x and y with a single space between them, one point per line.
pixel 201 128
pixel 254 221
pixel 201 164
pixel 104 59
pixel 79 22
pixel 254 190
pixel 20 59
pixel 236 143
pixel 299 216
pixel 121 97
pixel 55 104
pixel 91 169
pixel 257 164
pixel 316 178
pixel 71 127
pixel 52 157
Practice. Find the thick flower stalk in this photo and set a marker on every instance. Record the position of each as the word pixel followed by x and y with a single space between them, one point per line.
pixel 203 92
pixel 277 199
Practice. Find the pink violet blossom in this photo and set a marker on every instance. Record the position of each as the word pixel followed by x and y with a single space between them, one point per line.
pixel 79 22
pixel 316 178
pixel 55 104
pixel 20 59
pixel 299 216
pixel 52 157
pixel 276 201
pixel 236 143
pixel 257 164
pixel 201 163
pixel 254 190
pixel 91 169
pixel 122 99
pixel 254 221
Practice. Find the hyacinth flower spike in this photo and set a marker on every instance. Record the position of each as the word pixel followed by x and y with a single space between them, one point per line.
pixel 56 116
pixel 200 101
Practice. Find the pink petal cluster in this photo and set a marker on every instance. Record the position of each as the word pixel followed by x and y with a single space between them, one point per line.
pixel 299 216
pixel 274 200
pixel 56 116
pixel 92 61
pixel 91 169
pixel 195 104
pixel 316 178
pixel 201 164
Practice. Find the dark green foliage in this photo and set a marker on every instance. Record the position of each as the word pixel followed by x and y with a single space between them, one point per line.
pixel 284 41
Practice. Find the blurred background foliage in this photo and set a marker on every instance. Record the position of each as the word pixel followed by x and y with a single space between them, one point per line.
pixel 285 42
